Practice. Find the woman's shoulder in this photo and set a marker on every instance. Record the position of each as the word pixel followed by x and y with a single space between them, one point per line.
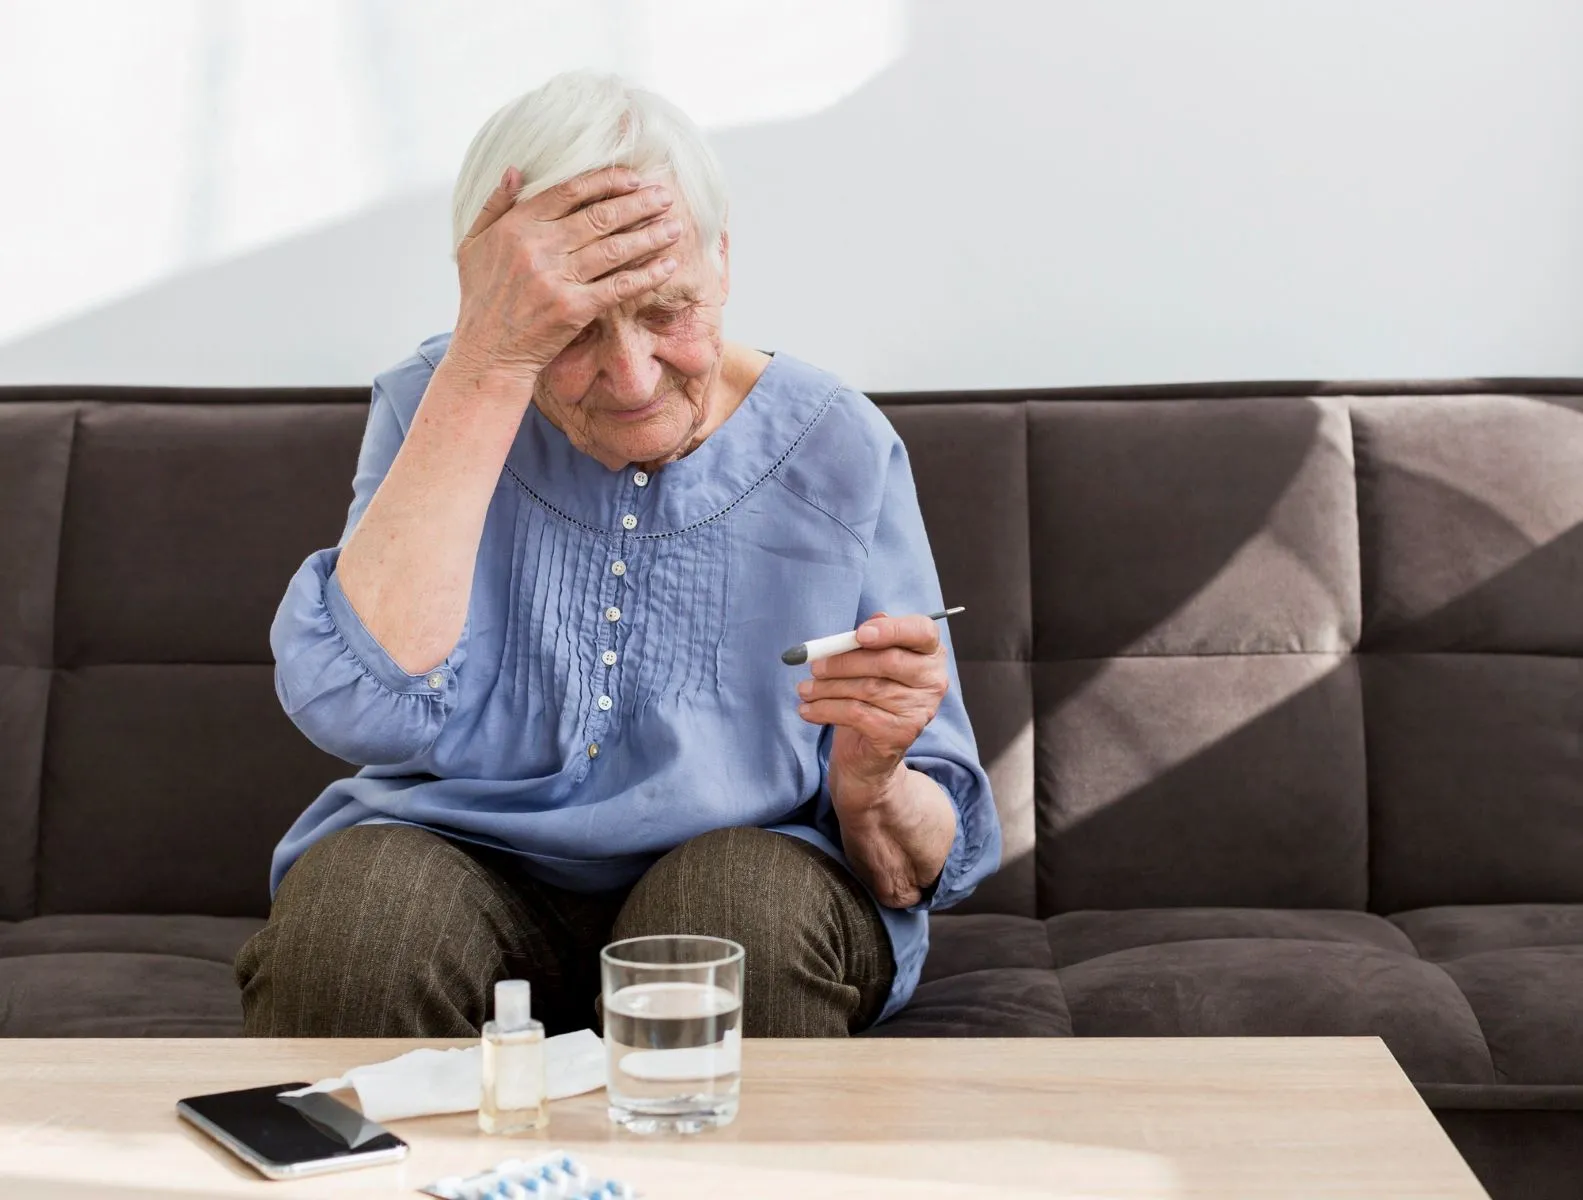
pixel 842 463
pixel 402 386
pixel 846 428
pixel 845 419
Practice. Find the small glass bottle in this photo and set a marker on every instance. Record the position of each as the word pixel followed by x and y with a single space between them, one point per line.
pixel 512 1100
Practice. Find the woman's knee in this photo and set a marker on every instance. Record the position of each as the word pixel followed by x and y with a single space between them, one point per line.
pixel 746 884
pixel 357 922
pixel 818 960
pixel 350 887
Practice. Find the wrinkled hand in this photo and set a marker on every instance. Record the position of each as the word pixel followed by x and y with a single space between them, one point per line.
pixel 879 698
pixel 534 273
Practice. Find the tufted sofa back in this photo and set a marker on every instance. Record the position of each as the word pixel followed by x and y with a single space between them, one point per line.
pixel 1296 646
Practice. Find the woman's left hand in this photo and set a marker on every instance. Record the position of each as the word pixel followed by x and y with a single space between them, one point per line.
pixel 879 698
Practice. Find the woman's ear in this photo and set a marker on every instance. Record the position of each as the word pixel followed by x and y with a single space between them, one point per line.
pixel 725 263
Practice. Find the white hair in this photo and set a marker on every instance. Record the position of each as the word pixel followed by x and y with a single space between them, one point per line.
pixel 581 121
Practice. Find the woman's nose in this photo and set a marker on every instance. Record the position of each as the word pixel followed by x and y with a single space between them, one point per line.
pixel 629 367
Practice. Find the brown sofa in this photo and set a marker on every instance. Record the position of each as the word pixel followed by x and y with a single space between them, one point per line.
pixel 1281 688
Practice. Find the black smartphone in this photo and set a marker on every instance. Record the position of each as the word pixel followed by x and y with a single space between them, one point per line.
pixel 286 1137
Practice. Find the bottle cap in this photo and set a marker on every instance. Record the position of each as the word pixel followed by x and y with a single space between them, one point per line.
pixel 513 1004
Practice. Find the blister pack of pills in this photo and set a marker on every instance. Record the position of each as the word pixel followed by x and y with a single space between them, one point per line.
pixel 553 1176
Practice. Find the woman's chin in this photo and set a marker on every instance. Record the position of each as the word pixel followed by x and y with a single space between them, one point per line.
pixel 656 440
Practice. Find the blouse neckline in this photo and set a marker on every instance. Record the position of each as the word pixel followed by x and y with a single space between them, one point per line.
pixel 778 410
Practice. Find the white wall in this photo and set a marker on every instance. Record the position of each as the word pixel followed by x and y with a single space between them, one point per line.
pixel 946 193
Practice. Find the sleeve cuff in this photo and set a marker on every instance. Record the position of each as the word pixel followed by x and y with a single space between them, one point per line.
pixel 975 849
pixel 439 683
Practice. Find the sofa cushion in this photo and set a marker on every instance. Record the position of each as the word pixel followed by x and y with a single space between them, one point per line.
pixel 1528 1005
pixel 1199 726
pixel 209 939
pixel 1267 987
pixel 35 457
pixel 1078 936
pixel 1192 527
pixel 24 709
pixel 121 976
pixel 167 786
pixel 1474 764
pixel 1440 934
pixel 117 995
pixel 166 770
pixel 184 521
pixel 1466 997
pixel 1470 512
pixel 1000 1002
pixel 1234 780
pixel 1521 968
pixel 981 942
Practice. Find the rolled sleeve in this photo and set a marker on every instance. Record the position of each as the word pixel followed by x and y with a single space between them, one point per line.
pixel 339 685
pixel 373 657
pixel 975 850
pixel 335 681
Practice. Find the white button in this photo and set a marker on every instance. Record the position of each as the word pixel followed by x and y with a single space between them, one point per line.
pixel 593 749
pixel 629 522
pixel 436 681
pixel 612 613
pixel 608 658
pixel 605 703
pixel 641 478
pixel 618 567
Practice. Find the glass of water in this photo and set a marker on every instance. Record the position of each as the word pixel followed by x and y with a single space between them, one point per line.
pixel 673 1031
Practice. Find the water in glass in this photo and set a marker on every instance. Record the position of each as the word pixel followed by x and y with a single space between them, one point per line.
pixel 673 1036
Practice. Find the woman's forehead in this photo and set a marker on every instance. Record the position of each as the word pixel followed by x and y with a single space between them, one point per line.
pixel 675 293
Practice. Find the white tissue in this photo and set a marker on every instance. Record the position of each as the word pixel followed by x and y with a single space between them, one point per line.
pixel 421 1083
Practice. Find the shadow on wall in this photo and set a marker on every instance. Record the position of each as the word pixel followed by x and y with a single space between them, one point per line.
pixel 261 133
pixel 308 310
pixel 329 307
pixel 1155 226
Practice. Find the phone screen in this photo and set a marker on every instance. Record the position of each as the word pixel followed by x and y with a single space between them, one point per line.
pixel 290 1130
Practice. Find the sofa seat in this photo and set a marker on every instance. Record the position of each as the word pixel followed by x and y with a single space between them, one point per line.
pixel 1521 968
pixel 1472 1000
pixel 121 976
pixel 1467 998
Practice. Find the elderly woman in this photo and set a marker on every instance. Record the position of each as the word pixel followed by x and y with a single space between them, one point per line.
pixel 583 529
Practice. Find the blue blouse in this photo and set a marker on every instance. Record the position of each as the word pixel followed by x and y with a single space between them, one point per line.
pixel 617 688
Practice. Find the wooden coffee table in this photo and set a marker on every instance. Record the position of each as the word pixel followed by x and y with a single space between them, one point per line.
pixel 931 1120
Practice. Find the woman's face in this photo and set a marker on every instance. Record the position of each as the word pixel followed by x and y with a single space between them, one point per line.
pixel 635 386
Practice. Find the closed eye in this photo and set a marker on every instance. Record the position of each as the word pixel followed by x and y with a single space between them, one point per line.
pixel 661 318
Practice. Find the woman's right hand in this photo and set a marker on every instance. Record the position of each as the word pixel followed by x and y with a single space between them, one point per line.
pixel 534 274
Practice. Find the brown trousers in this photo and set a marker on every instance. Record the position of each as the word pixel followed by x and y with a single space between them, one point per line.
pixel 394 931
